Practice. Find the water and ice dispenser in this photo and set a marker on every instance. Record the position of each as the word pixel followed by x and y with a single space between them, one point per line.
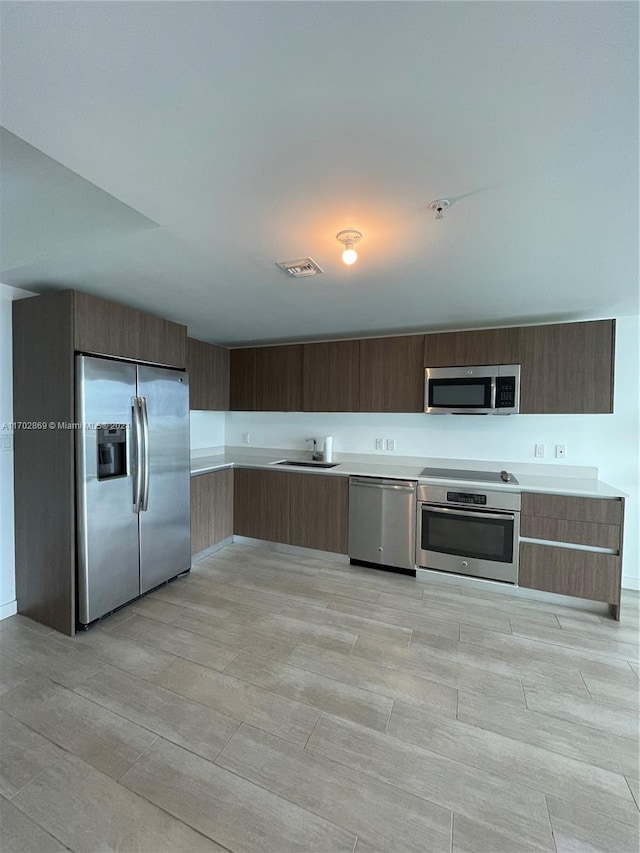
pixel 112 452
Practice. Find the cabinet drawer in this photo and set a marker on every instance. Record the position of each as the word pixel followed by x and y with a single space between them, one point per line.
pixel 598 510
pixel 568 571
pixel 578 532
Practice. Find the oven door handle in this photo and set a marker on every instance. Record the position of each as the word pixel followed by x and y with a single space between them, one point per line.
pixel 501 516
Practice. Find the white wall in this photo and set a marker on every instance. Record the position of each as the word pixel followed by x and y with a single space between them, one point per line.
pixel 7 560
pixel 608 442
pixel 207 430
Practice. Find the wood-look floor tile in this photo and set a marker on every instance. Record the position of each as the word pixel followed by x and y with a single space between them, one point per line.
pixel 88 812
pixel 196 727
pixel 119 650
pixel 575 740
pixel 527 652
pixel 542 769
pixel 432 665
pixel 447 612
pixel 47 656
pixel 20 834
pixel 366 625
pixel 13 672
pixel 634 666
pixel 516 810
pixel 151 608
pixel 611 646
pixel 614 693
pixel 234 812
pixel 627 633
pixel 398 618
pixel 476 836
pixel 318 691
pixel 238 635
pixel 634 787
pixel 20 623
pixel 23 755
pixel 240 700
pixel 386 681
pixel 177 641
pixel 580 829
pixel 623 722
pixel 354 590
pixel 489 603
pixel 376 812
pixel 213 597
pixel 103 739
pixel 261 591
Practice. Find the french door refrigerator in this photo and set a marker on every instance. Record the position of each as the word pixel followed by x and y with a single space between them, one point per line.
pixel 132 455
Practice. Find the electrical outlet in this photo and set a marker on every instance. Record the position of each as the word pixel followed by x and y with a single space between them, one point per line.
pixel 540 451
pixel 379 444
pixel 391 444
pixel 561 451
pixel 245 438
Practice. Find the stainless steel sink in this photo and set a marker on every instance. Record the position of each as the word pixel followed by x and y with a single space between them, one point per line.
pixel 297 463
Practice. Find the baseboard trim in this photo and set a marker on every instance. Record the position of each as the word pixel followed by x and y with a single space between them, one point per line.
pixel 9 609
pixel 294 550
pixel 195 558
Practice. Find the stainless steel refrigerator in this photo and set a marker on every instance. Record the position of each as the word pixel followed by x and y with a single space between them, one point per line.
pixel 132 471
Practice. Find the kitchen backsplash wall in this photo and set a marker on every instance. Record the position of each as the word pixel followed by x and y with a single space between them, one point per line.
pixel 609 442
pixel 207 430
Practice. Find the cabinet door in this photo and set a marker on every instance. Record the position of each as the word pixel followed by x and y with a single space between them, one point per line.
pixel 279 379
pixel 211 509
pixel 392 374
pixel 208 367
pixel 331 377
pixel 485 346
pixel 261 504
pixel 319 512
pixel 567 368
pixel 107 328
pixel 243 380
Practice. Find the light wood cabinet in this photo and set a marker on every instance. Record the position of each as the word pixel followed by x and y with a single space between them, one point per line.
pixel 211 509
pixel 585 572
pixel 319 512
pixel 484 346
pixel 392 374
pixel 261 504
pixel 208 367
pixel 567 368
pixel 102 327
pixel 331 377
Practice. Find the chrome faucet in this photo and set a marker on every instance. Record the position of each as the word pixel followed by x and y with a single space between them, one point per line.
pixel 316 455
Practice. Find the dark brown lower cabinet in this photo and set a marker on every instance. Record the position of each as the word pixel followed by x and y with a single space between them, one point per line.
pixel 211 509
pixel 319 512
pixel 588 522
pixel 308 510
pixel 261 504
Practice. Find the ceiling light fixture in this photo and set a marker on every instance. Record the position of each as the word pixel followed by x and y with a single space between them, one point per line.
pixel 440 205
pixel 348 239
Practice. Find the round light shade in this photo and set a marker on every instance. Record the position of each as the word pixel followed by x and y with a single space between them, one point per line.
pixel 349 256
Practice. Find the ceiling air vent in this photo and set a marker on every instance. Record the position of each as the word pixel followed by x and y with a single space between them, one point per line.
pixel 300 267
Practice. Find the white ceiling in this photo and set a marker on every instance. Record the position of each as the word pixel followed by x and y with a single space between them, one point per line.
pixel 211 139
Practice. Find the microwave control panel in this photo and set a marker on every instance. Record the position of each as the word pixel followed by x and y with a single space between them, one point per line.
pixel 505 392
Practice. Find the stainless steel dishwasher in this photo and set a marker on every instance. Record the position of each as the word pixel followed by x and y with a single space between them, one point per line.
pixel 382 522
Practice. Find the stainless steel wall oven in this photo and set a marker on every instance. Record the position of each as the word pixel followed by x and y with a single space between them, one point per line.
pixel 468 531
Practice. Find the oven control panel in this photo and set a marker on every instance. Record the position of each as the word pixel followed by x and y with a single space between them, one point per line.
pixel 467 498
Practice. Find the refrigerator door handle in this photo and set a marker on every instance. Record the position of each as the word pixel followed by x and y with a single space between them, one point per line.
pixel 145 432
pixel 139 453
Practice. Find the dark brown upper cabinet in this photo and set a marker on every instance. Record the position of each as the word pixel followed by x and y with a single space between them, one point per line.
pixel 331 377
pixel 567 368
pixel 208 368
pixel 392 374
pixel 102 327
pixel 243 380
pixel 485 346
pixel 279 379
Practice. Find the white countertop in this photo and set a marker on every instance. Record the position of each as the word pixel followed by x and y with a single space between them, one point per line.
pixel 584 486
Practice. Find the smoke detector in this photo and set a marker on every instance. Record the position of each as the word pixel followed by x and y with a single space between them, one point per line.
pixel 300 267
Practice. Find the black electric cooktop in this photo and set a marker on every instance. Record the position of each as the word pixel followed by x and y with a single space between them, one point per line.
pixel 478 476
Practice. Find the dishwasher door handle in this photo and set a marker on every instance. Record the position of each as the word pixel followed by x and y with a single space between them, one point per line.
pixel 380 484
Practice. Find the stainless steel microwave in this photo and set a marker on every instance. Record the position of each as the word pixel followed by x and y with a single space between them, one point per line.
pixel 480 390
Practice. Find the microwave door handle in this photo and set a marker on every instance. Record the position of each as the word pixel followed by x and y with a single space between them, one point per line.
pixel 500 516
